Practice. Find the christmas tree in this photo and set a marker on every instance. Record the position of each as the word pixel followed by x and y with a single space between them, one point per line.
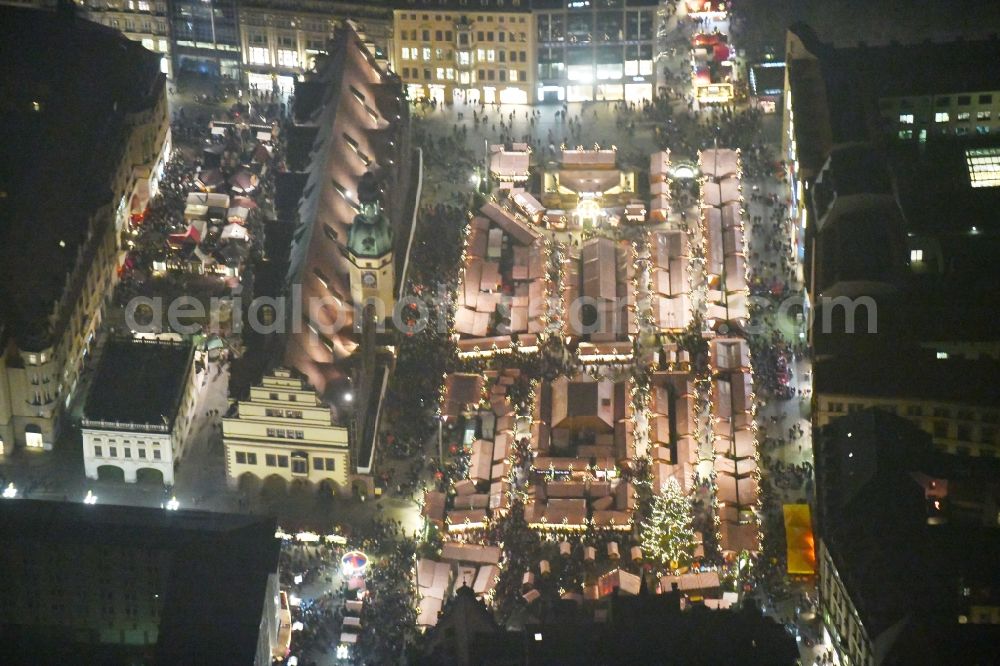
pixel 668 536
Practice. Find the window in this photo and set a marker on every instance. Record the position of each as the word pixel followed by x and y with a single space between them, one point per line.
pixel 142 454
pixel 963 115
pixel 156 454
pixel 982 115
pixel 259 56
pixel 940 428
pixel 274 396
pixel 513 75
pixel 906 118
pixel 282 461
pixel 914 410
pixel 941 117
pixel 241 457
pixel 964 100
pixel 331 464
pixel 905 134
pixel 270 460
pixel 98 452
pixel 942 413
pixel 984 166
pixel 943 101
pixel 427 53
pixel 300 466
pixel 987 435
pixel 318 464
pixel 128 452
pixel 986 99
pixel 964 432
pixel 287 58
pixel 916 256
pixel 251 458
pixel 426 34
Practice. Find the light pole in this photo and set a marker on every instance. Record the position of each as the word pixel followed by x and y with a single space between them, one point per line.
pixel 440 420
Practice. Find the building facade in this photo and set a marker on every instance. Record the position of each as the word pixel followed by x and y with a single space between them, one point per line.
pixel 460 53
pixel 280 39
pixel 139 437
pixel 206 37
pixel 595 50
pixel 284 430
pixel 144 21
pixel 51 323
pixel 119 584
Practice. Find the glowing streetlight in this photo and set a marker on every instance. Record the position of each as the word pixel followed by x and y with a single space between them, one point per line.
pixel 10 492
pixel 348 396
pixel 91 498
pixel 173 504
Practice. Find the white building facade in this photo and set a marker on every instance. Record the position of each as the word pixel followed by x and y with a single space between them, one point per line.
pixel 284 431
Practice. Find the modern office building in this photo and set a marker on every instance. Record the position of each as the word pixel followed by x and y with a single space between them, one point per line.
pixel 281 39
pixel 459 53
pixel 908 541
pixel 284 430
pixel 114 584
pixel 88 134
pixel 206 37
pixel 138 414
pixel 595 49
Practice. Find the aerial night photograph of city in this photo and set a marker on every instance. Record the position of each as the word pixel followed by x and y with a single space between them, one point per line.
pixel 499 332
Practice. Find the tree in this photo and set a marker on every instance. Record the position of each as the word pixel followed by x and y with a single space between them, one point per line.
pixel 668 536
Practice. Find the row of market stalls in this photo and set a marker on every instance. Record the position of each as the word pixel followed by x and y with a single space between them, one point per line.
pixel 723 233
pixel 670 254
pixel 598 293
pixel 582 430
pixel 502 290
pixel 733 429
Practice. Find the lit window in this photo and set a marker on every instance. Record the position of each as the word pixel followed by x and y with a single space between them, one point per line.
pixel 916 256
pixel 427 54
pixel 963 115
pixel 982 115
pixel 259 56
pixel 906 118
pixel 984 166
pixel 288 58
pixel 513 75
pixel 941 117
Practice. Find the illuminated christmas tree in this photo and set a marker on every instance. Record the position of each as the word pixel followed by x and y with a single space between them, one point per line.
pixel 668 536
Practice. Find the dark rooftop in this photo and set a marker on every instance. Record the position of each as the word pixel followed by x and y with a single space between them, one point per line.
pixel 139 381
pixel 873 518
pixel 910 373
pixel 66 87
pixel 213 588
pixel 855 78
